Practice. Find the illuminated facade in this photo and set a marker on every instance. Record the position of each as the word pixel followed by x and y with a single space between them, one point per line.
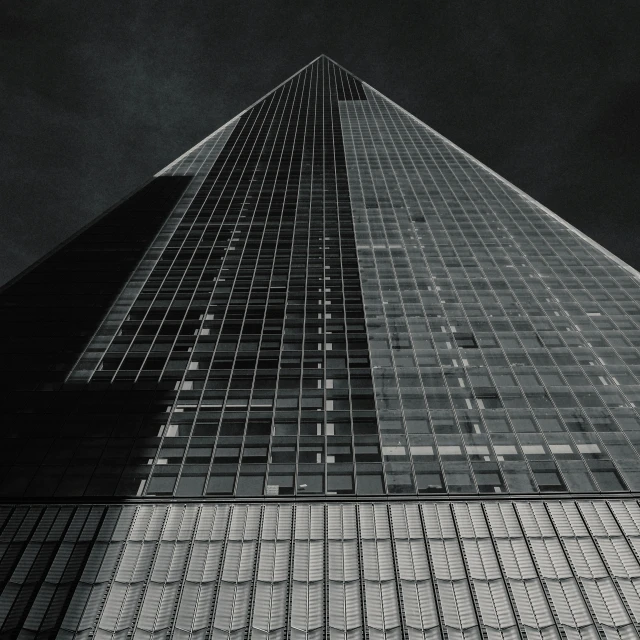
pixel 324 375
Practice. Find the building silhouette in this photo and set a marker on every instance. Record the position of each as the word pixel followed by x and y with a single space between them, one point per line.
pixel 325 375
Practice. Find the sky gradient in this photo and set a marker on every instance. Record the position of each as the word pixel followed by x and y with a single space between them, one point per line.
pixel 99 96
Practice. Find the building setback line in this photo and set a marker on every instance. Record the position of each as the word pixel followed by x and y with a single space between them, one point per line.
pixel 335 499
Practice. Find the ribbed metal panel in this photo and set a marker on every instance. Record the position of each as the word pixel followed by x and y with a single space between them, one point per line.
pixel 219 570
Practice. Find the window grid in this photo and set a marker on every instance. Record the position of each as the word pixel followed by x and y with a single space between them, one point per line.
pixel 341 302
pixel 559 458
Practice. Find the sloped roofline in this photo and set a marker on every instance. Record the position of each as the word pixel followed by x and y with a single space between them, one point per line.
pixel 253 104
pixel 634 272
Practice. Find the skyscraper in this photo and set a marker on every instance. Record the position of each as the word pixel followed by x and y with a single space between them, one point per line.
pixel 325 375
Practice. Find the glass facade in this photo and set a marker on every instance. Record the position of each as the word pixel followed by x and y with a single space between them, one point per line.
pixel 503 344
pixel 429 381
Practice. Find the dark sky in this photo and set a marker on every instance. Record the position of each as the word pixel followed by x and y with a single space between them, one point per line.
pixel 97 96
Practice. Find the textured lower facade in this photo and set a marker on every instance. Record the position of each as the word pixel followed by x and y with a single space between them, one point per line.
pixel 453 570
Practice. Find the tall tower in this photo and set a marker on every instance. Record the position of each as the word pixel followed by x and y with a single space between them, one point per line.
pixel 325 375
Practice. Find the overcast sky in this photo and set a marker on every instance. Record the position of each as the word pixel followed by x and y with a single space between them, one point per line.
pixel 99 95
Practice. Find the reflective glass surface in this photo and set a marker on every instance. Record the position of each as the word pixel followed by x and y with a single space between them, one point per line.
pixel 324 297
pixel 504 345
